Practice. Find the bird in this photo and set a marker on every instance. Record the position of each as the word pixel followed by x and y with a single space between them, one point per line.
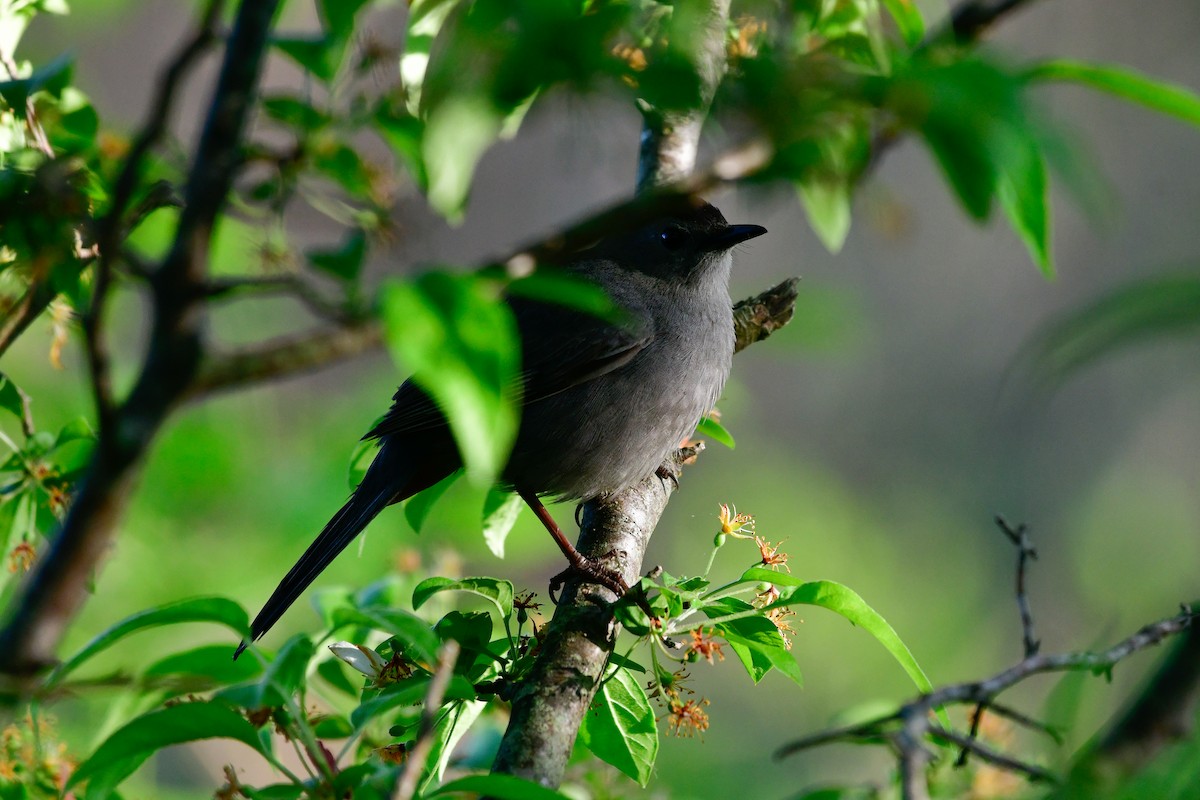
pixel 604 399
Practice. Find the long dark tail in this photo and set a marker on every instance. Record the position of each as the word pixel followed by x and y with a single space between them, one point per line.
pixel 377 490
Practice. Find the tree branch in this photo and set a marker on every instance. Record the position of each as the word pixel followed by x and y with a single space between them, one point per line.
pixel 59 583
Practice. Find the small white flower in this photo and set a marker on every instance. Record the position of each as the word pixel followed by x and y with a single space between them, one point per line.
pixel 363 659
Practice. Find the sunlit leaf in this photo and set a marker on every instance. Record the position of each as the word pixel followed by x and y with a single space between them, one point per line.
pixel 844 601
pixel 620 728
pixel 757 642
pixel 408 628
pixel 500 512
pixel 460 343
pixel 1125 83
pixel 1024 191
pixel 908 20
pixel 498 592
pixel 712 429
pixel 501 787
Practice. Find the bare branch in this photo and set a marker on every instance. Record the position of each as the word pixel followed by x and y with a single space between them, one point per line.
pixel 59 583
pixel 284 358
pixel 973 745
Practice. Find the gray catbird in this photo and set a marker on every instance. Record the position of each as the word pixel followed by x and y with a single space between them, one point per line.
pixel 604 401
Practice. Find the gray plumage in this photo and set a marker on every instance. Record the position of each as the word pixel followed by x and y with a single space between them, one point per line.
pixel 604 401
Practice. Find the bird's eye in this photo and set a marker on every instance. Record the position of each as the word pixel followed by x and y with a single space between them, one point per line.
pixel 673 237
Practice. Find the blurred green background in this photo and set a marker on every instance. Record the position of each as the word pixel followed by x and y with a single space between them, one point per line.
pixel 877 435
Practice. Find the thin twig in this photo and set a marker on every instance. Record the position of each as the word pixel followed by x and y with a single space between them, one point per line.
pixel 415 765
pixel 1026 552
pixel 972 744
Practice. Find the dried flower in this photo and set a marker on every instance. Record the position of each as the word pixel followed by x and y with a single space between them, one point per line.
pixel 20 558
pixel 771 554
pixel 706 646
pixel 779 617
pixel 687 718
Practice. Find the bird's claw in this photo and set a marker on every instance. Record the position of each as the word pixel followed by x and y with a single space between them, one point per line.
pixel 591 572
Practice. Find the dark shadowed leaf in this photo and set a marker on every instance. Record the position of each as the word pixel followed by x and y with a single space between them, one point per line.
pixel 125 750
pixel 198 609
pixel 1137 312
pixel 346 260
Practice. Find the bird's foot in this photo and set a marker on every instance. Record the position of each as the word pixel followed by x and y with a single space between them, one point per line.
pixel 665 474
pixel 591 572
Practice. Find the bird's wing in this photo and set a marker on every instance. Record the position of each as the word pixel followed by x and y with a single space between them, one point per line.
pixel 560 348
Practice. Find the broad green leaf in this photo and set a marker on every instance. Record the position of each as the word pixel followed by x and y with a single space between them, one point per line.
pixel 827 204
pixel 844 601
pixel 501 787
pixel 757 642
pixel 338 16
pixel 344 261
pixel 360 459
pixel 402 132
pixel 124 751
pixel 553 285
pixel 908 20
pixel 425 21
pixel 457 132
pixel 500 512
pixel 1024 192
pixel 498 592
pixel 460 342
pixel 1137 312
pixel 714 430
pixel 620 729
pixel 417 507
pixel 294 112
pixel 409 628
pixel 198 609
pixel 285 675
pixel 1122 82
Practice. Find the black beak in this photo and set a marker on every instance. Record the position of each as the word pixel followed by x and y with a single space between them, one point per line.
pixel 734 234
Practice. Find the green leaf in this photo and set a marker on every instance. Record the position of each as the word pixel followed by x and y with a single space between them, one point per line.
pixel 757 642
pixel 1122 82
pixel 319 55
pixel 460 342
pixel 844 601
pixel 457 133
pixel 210 661
pixel 294 112
pixel 1024 192
pixel 409 628
pixel 10 397
pixel 406 693
pixel 908 20
pixel 417 507
pixel 123 752
pixel 403 132
pixel 619 728
pixel 344 262
pixel 338 16
pixel 714 430
pixel 500 511
pixel 450 728
pixel 198 609
pixel 1140 311
pixel 501 787
pixel 498 592
pixel 827 204
pixel 285 675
